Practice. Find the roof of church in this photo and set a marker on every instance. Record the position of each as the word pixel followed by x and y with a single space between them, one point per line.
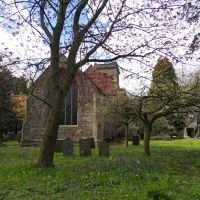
pixel 99 80
pixel 112 65
pixel 102 80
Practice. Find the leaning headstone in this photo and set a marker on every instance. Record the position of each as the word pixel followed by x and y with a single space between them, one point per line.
pixel 85 147
pixel 59 146
pixel 68 147
pixel 135 140
pixel 104 149
pixel 92 143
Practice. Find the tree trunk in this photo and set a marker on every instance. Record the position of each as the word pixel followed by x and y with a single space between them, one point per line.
pixel 147 135
pixel 50 133
pixel 126 135
pixel 58 89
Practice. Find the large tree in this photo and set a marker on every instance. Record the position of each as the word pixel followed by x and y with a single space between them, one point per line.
pixel 165 98
pixel 163 95
pixel 83 30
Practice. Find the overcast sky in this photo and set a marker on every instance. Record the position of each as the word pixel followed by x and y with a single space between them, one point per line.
pixel 26 45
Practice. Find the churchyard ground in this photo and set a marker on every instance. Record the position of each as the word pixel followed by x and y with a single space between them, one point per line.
pixel 171 173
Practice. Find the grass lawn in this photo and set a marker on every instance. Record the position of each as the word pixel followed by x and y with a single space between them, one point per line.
pixel 171 173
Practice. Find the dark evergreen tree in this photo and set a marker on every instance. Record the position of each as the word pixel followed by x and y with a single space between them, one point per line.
pixel 164 81
pixel 5 100
pixel 165 89
pixel 163 95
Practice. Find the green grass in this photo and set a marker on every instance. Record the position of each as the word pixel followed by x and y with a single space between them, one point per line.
pixel 171 173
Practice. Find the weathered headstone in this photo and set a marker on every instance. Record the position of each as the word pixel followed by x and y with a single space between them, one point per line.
pixel 104 149
pixel 92 143
pixel 136 140
pixel 19 136
pixel 180 135
pixel 59 146
pixel 166 137
pixel 68 147
pixel 85 147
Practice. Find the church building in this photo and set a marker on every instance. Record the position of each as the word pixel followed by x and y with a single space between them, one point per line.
pixel 80 116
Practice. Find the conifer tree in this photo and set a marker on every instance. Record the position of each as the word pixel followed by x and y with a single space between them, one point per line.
pixel 162 98
pixel 164 83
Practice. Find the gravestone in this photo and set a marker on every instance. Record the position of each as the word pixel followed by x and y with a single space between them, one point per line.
pixel 166 137
pixel 59 146
pixel 92 143
pixel 85 147
pixel 135 140
pixel 180 135
pixel 68 147
pixel 104 149
pixel 19 136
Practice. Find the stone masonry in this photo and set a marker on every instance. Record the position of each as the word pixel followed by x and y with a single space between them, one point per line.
pixel 89 120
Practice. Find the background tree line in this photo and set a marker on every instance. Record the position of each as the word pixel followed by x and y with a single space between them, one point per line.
pixel 13 92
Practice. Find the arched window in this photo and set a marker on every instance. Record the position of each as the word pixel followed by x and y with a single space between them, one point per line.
pixel 68 115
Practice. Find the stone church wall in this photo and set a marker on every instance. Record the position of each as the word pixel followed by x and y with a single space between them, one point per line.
pixel 37 112
pixel 34 121
pixel 89 119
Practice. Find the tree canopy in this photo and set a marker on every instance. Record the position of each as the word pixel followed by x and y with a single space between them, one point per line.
pixel 164 79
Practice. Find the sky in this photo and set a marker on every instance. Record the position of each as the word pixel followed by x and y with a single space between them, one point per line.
pixel 26 45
